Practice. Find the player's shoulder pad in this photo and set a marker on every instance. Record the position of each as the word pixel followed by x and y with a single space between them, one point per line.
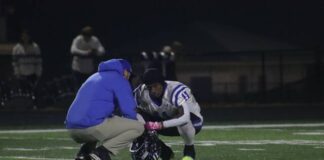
pixel 179 93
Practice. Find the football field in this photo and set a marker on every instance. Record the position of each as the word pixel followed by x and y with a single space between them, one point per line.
pixel 302 141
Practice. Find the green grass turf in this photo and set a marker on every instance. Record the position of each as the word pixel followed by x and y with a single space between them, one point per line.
pixel 217 144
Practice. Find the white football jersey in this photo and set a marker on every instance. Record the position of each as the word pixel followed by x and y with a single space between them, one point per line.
pixel 174 96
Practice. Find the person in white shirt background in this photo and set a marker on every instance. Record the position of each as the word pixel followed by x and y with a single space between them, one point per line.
pixel 27 61
pixel 85 49
pixel 27 65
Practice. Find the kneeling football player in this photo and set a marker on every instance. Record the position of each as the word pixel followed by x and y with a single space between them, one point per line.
pixel 169 108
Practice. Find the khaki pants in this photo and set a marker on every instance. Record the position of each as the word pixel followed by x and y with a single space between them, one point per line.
pixel 114 133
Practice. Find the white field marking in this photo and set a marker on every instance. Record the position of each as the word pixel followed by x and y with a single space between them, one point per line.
pixel 207 127
pixel 319 147
pixel 58 139
pixel 264 126
pixel 33 131
pixel 24 138
pixel 25 149
pixel 309 133
pixel 252 142
pixel 41 149
pixel 30 158
pixel 276 130
pixel 250 149
pixel 317 144
pixel 13 138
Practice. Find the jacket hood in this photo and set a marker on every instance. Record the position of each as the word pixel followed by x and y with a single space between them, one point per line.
pixel 114 65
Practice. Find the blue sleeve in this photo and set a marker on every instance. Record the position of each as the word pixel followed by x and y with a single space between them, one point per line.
pixel 125 98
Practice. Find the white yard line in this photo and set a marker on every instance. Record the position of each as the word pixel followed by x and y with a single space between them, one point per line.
pixel 210 127
pixel 42 138
pixel 316 144
pixel 309 133
pixel 250 149
pixel 31 158
pixel 207 127
pixel 33 131
pixel 252 142
pixel 25 149
pixel 41 149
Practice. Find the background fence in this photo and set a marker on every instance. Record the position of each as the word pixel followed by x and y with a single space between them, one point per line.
pixel 255 77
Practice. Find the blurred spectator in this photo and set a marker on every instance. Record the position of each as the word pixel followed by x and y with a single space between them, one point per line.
pixel 151 60
pixel 27 63
pixel 85 49
pixel 178 48
pixel 163 61
pixel 168 63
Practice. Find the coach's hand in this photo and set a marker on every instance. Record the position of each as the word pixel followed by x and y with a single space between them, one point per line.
pixel 153 125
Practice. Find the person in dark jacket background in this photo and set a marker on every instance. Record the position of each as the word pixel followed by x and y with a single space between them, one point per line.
pixel 90 118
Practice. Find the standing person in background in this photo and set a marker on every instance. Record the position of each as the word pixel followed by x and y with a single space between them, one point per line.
pixel 85 48
pixel 91 118
pixel 178 48
pixel 151 60
pixel 27 61
pixel 27 64
pixel 168 63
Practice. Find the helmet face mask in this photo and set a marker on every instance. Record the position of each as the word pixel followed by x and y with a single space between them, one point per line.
pixel 155 89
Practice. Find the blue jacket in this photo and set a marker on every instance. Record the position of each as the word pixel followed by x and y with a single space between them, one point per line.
pixel 99 95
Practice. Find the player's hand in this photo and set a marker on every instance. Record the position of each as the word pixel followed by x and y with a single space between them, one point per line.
pixel 153 125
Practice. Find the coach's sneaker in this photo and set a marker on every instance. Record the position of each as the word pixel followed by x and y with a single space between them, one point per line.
pixel 187 158
pixel 85 150
pixel 94 156
pixel 100 153
pixel 82 157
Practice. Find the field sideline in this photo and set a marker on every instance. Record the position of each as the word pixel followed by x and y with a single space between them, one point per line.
pixel 302 141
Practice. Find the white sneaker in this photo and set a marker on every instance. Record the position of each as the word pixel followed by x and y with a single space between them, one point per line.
pixel 94 156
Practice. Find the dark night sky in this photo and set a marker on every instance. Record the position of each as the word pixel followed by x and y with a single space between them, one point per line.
pixel 133 26
pixel 120 24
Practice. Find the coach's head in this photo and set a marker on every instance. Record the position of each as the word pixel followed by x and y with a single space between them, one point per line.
pixel 154 81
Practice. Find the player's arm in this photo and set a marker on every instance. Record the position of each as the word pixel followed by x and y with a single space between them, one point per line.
pixel 181 100
pixel 182 117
